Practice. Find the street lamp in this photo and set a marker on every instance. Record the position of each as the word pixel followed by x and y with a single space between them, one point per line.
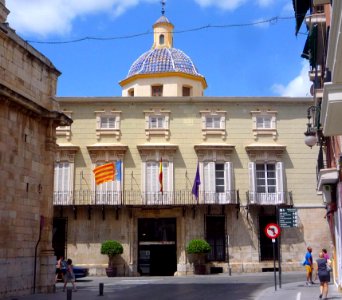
pixel 311 138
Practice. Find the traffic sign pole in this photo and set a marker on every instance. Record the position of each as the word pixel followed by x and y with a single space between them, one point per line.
pixel 274 266
pixel 279 250
pixel 272 231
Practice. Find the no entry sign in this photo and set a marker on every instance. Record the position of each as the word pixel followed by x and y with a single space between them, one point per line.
pixel 272 230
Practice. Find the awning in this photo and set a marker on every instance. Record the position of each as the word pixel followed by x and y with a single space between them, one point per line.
pixel 310 47
pixel 300 8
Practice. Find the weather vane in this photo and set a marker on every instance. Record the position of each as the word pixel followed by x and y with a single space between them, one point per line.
pixel 163 6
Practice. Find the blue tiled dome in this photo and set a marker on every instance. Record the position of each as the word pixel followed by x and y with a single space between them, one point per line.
pixel 161 61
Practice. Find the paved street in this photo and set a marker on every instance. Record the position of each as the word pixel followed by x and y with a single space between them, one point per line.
pixel 222 286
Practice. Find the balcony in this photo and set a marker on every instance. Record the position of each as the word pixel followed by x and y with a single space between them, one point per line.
pixel 135 198
pixel 279 198
pixel 326 177
pixel 331 109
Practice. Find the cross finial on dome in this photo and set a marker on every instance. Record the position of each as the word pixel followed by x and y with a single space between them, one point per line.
pixel 163 7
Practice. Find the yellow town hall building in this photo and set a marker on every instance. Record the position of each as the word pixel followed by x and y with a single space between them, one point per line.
pixel 251 160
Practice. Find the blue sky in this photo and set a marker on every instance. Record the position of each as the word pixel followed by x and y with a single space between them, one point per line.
pixel 256 60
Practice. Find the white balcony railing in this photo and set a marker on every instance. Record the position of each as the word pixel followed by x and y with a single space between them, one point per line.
pixel 123 198
pixel 267 198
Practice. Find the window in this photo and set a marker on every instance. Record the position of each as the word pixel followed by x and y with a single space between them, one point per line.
pixel 157 90
pixel 267 183
pixel 153 195
pixel 264 123
pixel 213 123
pixel 217 177
pixel 266 178
pixel 161 39
pixel 157 122
pixel 131 92
pixel 109 193
pixel 62 191
pixel 186 91
pixel 108 123
pixel 64 175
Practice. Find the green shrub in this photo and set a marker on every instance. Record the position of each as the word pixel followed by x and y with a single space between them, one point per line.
pixel 111 248
pixel 198 246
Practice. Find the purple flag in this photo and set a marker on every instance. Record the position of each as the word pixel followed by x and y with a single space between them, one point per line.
pixel 197 182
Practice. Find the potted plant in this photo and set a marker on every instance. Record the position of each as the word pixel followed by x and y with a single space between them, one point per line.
pixel 198 248
pixel 111 248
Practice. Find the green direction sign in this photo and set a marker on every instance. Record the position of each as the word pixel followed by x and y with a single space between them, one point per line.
pixel 288 217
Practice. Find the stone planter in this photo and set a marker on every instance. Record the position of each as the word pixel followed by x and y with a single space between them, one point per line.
pixel 198 262
pixel 111 272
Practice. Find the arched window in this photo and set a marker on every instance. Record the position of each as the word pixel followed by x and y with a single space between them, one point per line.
pixel 131 92
pixel 161 39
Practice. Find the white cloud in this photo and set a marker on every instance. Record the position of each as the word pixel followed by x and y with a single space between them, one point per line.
pixel 223 4
pixel 265 3
pixel 44 17
pixel 232 4
pixel 297 87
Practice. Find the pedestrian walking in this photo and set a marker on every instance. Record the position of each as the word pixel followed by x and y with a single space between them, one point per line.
pixel 59 273
pixel 323 272
pixel 325 253
pixel 308 266
pixel 69 276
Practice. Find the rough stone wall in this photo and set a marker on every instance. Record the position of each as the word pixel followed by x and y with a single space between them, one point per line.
pixel 26 193
pixel 28 119
pixel 26 71
pixel 85 237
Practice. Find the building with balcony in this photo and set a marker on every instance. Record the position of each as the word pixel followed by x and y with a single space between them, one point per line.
pixel 245 154
pixel 323 49
pixel 28 119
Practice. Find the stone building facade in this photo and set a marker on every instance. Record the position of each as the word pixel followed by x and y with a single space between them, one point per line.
pixel 251 161
pixel 28 118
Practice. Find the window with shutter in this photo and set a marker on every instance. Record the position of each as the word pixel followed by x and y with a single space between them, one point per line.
pixel 152 185
pixel 217 182
pixel 107 193
pixel 266 183
pixel 62 190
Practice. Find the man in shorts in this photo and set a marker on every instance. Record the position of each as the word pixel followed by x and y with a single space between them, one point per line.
pixel 308 266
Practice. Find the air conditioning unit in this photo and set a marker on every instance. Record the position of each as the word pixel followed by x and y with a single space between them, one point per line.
pixel 327 193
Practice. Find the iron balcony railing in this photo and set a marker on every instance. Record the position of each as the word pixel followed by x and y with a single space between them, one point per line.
pixel 126 198
pixel 277 198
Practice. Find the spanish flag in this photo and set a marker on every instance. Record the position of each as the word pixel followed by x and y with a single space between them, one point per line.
pixel 104 173
pixel 161 175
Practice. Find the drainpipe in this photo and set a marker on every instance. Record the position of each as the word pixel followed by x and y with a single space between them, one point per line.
pixel 41 225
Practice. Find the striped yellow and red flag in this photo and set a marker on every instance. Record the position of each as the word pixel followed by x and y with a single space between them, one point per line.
pixel 104 173
pixel 161 174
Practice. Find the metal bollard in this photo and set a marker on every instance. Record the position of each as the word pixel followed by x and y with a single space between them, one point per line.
pixel 69 294
pixel 101 289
